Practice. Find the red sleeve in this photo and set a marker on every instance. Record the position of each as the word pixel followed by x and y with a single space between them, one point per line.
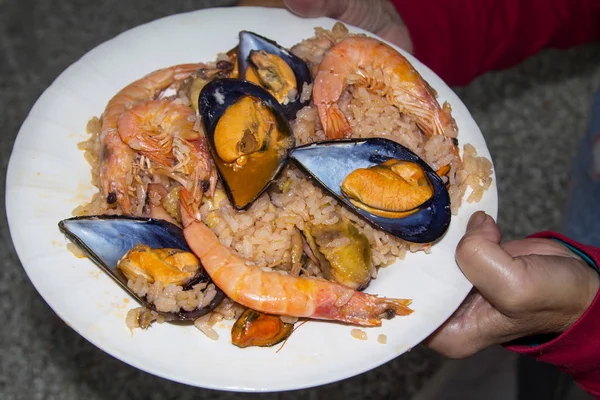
pixel 577 350
pixel 461 39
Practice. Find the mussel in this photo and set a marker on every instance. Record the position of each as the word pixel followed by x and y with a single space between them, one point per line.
pixel 254 328
pixel 393 189
pixel 248 134
pixel 193 84
pixel 165 265
pixel 110 241
pixel 343 253
pixel 358 172
pixel 266 63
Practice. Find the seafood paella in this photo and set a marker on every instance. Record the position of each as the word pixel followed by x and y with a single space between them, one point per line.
pixel 270 185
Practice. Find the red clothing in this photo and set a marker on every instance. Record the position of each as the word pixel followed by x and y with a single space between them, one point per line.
pixel 576 351
pixel 461 39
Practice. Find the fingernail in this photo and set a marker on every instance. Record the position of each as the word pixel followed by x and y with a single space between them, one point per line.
pixel 476 220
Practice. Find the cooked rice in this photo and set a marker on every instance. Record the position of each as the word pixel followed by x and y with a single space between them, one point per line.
pixel 204 325
pixel 262 234
pixel 172 298
pixel 141 317
pixel 288 320
pixel 359 334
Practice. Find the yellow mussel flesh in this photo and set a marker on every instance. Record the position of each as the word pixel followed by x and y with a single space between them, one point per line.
pixel 254 328
pixel 393 189
pixel 167 266
pixel 343 252
pixel 272 73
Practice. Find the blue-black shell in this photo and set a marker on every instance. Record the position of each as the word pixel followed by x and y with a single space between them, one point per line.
pixel 214 100
pixel 105 239
pixel 330 162
pixel 250 41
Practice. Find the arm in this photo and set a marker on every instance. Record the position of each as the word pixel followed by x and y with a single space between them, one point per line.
pixel 461 39
pixel 577 350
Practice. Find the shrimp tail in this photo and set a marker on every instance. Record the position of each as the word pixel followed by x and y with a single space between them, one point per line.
pixel 334 122
pixel 365 309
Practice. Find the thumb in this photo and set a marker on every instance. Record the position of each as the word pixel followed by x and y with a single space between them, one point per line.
pixel 377 16
pixel 365 14
pixel 490 268
pixel 309 8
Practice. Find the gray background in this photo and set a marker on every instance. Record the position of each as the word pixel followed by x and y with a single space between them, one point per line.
pixel 532 117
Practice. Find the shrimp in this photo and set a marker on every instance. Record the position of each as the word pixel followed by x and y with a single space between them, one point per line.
pixel 275 293
pixel 116 160
pixel 373 64
pixel 163 131
pixel 151 126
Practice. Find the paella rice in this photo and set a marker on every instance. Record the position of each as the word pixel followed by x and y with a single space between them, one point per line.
pixel 263 233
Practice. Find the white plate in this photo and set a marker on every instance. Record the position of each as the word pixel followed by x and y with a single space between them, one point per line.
pixel 48 177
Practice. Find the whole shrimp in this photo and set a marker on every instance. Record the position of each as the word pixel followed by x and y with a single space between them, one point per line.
pixel 116 159
pixel 272 292
pixel 164 132
pixel 373 64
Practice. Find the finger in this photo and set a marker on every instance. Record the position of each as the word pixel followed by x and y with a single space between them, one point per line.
pixel 546 247
pixel 261 3
pixel 350 11
pixel 309 8
pixel 491 269
pixel 461 336
pixel 378 16
pixel 555 292
pixel 368 15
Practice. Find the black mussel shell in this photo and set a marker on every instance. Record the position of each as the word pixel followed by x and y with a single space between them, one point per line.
pixel 250 41
pixel 330 162
pixel 105 240
pixel 249 182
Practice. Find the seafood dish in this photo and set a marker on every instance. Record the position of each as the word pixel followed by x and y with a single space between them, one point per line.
pixel 270 185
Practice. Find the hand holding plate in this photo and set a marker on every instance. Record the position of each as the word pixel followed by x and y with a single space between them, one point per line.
pixel 523 288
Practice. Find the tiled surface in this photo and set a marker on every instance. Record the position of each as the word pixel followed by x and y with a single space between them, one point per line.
pixel 532 117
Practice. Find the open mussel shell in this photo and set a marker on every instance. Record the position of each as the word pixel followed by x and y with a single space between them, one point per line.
pixel 250 42
pixel 244 122
pixel 330 162
pixel 106 239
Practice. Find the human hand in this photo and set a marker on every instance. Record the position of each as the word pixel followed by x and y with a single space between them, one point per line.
pixel 377 16
pixel 522 288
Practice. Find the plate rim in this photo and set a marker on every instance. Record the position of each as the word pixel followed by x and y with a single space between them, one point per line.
pixel 12 219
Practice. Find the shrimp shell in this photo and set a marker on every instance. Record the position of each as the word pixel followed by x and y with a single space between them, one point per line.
pixel 277 293
pixel 368 62
pixel 116 158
